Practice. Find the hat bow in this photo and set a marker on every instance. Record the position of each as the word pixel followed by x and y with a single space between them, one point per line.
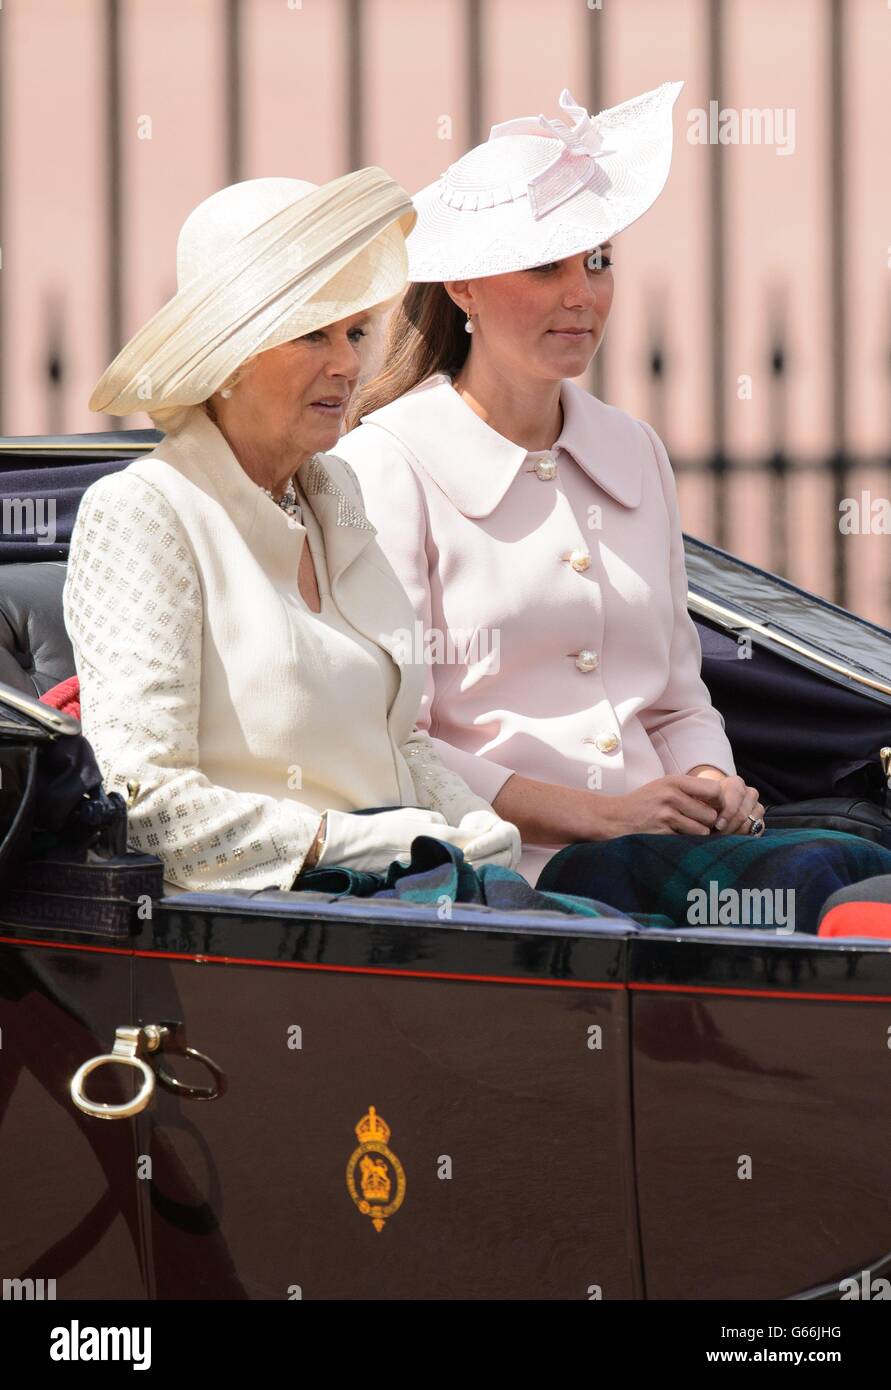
pixel 573 168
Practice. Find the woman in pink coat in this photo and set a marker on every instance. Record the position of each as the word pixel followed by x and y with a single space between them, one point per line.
pixel 536 528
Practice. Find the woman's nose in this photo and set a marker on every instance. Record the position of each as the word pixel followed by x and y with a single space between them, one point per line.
pixel 344 360
pixel 581 292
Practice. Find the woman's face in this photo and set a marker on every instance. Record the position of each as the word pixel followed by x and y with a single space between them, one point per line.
pixel 292 399
pixel 547 322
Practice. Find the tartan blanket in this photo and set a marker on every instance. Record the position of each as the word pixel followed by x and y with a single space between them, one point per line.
pixel 781 879
pixel 438 874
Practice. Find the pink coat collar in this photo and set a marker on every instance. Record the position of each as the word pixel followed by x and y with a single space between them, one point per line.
pixel 474 465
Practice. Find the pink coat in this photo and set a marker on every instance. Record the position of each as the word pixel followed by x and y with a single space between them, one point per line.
pixel 552 610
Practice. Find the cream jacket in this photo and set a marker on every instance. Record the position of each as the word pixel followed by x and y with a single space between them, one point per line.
pixel 207 680
pixel 550 594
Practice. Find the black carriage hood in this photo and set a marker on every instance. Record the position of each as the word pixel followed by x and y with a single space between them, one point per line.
pixel 806 701
pixel 738 597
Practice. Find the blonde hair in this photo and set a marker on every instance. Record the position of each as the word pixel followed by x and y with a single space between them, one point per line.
pixel 170 419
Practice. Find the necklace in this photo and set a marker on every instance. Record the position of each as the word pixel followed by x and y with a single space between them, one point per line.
pixel 288 501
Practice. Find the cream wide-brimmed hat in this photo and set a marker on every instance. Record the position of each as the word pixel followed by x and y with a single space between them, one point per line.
pixel 259 263
pixel 539 190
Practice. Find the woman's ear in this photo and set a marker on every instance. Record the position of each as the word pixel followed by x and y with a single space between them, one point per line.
pixel 460 293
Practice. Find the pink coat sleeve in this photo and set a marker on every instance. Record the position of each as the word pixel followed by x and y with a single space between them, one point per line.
pixel 684 726
pixel 394 503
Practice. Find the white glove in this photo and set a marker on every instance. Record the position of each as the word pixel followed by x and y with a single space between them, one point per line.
pixel 373 842
pixel 486 839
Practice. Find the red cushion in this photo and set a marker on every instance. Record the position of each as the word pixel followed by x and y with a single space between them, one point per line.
pixel 857 919
pixel 64 696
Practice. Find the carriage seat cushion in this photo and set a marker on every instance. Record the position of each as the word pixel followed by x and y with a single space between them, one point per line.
pixel 35 650
pixel 64 696
pixel 861 909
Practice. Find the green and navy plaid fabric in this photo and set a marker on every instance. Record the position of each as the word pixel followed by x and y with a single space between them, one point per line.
pixel 647 874
pixel 438 870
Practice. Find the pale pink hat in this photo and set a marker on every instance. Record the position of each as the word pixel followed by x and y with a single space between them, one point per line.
pixel 539 190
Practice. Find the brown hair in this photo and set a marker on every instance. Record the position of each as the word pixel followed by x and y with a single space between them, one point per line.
pixel 425 335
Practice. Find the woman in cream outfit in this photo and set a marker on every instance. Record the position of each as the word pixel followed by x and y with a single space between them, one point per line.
pixel 535 528
pixel 229 606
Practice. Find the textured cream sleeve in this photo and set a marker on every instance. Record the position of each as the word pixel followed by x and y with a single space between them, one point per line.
pixel 134 612
pixel 437 787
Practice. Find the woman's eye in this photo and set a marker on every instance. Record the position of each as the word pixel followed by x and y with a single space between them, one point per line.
pixel 317 334
pixel 593 262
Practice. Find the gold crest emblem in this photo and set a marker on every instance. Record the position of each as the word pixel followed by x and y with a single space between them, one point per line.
pixel 379 1171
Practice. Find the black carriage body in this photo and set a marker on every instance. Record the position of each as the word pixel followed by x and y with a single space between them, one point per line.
pixel 576 1114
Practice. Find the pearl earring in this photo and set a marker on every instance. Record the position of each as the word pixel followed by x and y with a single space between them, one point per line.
pixel 468 327
pixel 226 392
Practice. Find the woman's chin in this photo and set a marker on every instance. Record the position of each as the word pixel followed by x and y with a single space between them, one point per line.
pixel 568 358
pixel 318 436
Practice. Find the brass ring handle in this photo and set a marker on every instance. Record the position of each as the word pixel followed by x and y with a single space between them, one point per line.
pixel 100 1110
pixel 128 1043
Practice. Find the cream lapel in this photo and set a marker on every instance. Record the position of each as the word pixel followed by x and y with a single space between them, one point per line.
pixel 369 595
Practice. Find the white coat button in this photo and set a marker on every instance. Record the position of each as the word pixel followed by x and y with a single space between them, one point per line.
pixel 606 743
pixel 546 469
pixel 587 660
pixel 580 560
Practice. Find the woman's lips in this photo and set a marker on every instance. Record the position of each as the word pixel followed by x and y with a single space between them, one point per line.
pixel 329 407
pixel 572 335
